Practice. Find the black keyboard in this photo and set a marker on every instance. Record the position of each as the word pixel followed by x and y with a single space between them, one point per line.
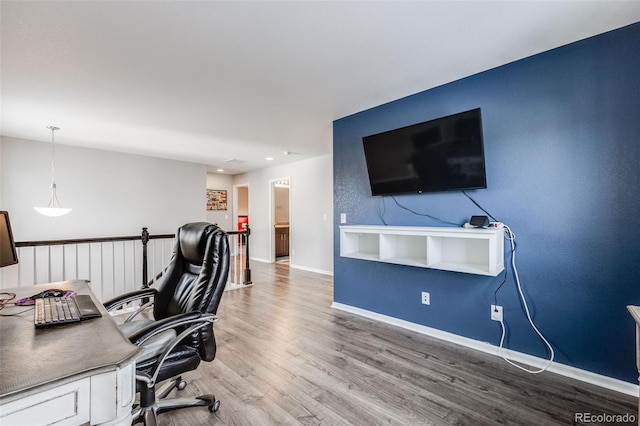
pixel 64 310
pixel 55 310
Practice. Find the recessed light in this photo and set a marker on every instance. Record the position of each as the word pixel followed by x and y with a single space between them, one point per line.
pixel 220 170
pixel 269 158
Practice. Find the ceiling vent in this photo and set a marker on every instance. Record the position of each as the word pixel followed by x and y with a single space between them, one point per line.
pixel 234 161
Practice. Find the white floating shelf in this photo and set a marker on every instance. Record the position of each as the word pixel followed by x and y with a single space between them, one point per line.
pixel 469 250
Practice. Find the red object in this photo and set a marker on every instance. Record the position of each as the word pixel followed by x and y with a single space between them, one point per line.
pixel 242 221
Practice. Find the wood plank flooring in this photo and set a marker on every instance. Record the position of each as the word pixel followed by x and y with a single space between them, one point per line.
pixel 285 357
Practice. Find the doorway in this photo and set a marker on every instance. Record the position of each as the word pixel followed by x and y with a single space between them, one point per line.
pixel 238 242
pixel 281 220
pixel 241 206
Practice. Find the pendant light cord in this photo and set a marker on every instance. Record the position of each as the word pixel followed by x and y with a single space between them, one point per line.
pixel 54 208
pixel 53 154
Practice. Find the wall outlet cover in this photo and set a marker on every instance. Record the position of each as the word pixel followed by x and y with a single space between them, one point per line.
pixel 496 312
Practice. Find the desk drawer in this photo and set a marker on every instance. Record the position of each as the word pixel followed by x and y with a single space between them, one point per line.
pixel 64 405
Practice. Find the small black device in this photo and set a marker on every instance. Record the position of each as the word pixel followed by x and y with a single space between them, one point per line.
pixel 479 221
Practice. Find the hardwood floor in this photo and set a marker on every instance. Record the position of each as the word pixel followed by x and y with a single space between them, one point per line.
pixel 285 357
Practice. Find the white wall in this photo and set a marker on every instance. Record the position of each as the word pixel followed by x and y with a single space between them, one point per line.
pixel 112 194
pixel 311 227
pixel 224 218
pixel 0 173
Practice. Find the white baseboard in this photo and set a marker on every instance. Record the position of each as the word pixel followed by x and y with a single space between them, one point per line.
pixel 233 286
pixel 306 268
pixel 259 259
pixel 294 266
pixel 555 367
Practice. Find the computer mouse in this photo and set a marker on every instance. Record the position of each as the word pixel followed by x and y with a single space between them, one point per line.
pixel 52 292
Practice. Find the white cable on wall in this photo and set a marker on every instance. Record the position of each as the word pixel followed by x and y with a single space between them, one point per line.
pixel 511 237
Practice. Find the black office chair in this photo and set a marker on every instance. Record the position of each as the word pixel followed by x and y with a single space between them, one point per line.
pixel 180 335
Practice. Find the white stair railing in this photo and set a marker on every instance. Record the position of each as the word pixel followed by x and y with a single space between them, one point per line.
pixel 113 265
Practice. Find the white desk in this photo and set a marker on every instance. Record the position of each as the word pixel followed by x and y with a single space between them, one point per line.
pixel 74 374
pixel 635 313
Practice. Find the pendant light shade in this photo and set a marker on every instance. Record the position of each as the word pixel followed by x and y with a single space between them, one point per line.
pixel 54 208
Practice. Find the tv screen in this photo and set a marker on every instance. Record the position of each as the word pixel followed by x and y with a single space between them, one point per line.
pixel 445 154
pixel 8 254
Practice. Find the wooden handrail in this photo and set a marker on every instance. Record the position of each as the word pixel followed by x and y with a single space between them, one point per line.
pixel 102 240
pixel 74 241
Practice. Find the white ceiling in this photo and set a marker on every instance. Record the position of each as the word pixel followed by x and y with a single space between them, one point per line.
pixel 210 81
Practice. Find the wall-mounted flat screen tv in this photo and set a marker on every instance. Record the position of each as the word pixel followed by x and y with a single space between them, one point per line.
pixel 8 253
pixel 445 154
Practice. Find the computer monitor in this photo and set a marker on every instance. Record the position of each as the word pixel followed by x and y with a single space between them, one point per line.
pixel 8 252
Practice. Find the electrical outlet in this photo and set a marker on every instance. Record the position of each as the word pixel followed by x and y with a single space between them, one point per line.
pixel 496 312
pixel 343 218
pixel 426 298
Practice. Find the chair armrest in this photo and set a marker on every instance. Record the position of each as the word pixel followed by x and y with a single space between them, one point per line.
pixel 131 296
pixel 191 320
pixel 173 322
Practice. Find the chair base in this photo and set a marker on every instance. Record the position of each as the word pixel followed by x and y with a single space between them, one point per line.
pixel 153 403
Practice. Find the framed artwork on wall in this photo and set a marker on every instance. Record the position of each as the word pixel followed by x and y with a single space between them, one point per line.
pixel 216 199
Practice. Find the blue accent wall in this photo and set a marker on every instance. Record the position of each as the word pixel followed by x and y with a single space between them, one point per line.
pixel 562 147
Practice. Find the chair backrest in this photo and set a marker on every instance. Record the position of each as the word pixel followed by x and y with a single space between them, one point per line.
pixel 195 278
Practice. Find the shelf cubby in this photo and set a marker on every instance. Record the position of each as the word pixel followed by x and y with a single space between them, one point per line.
pixel 468 250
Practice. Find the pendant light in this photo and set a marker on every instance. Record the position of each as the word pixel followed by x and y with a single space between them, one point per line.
pixel 54 208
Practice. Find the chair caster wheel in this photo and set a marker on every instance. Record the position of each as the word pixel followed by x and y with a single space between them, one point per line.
pixel 215 406
pixel 181 385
